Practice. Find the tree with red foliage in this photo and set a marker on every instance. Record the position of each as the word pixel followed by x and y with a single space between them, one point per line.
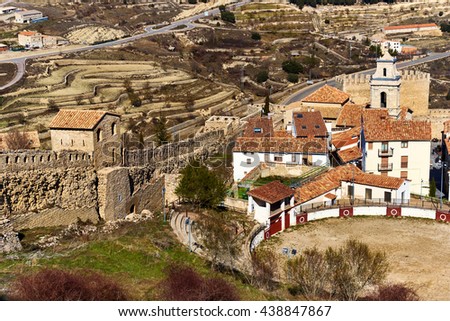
pixel 182 283
pixel 59 285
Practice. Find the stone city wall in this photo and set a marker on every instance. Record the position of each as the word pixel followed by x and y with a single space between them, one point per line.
pixel 414 90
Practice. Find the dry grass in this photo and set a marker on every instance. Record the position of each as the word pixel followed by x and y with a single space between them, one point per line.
pixel 417 249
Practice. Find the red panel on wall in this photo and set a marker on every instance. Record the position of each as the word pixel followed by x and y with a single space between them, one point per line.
pixel 267 234
pixel 302 218
pixel 393 211
pixel 287 220
pixel 275 225
pixel 346 212
pixel 443 216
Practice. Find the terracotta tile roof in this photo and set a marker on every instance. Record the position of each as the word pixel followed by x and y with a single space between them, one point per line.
pixel 423 25
pixel 327 94
pixel 271 192
pixel 32 137
pixel 309 124
pixel 28 33
pixel 332 179
pixel 350 154
pixel 447 126
pixel 350 115
pixel 330 196
pixel 282 133
pixel 346 137
pixel 259 127
pixel 78 119
pixel 396 130
pixel 281 145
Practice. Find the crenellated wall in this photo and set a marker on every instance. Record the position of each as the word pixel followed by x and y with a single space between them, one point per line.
pixel 414 90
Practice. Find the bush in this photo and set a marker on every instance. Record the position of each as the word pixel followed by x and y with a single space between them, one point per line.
pixel 292 78
pixel 228 16
pixel 256 36
pixel 182 283
pixel 59 285
pixel 393 292
pixel 262 76
pixel 292 66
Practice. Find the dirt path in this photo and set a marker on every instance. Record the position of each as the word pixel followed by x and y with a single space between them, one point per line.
pixel 418 250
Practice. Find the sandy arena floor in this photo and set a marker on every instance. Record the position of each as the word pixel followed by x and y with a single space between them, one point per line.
pixel 418 250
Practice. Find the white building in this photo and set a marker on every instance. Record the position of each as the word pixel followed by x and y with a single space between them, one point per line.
pixel 340 182
pixel 27 16
pixel 272 204
pixel 33 39
pixel 7 10
pixel 306 144
pixel 430 29
pixel 392 45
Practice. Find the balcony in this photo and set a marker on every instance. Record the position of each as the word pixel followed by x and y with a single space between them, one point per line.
pixel 384 167
pixel 385 152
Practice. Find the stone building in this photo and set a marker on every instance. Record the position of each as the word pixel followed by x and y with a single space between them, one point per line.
pixel 92 131
pixel 385 84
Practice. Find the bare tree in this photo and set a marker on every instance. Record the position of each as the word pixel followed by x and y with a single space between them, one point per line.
pixel 17 140
pixel 309 272
pixel 353 267
pixel 264 268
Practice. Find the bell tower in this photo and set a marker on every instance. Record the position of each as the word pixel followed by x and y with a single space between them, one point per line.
pixel 385 85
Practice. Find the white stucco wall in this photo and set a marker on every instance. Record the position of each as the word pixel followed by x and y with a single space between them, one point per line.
pixel 418 153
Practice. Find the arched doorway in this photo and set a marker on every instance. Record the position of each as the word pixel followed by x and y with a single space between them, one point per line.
pixel 383 100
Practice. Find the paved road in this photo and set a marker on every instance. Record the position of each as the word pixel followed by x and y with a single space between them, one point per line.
pixel 299 95
pixel 179 25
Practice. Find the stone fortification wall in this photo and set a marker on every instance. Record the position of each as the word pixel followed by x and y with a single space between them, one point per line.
pixel 36 190
pixel 170 157
pixel 414 90
pixel 25 160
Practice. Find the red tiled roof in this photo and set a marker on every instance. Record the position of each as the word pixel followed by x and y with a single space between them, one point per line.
pixel 327 94
pixel 32 137
pixel 330 196
pixel 423 25
pixel 27 33
pixel 271 192
pixel 347 137
pixel 259 127
pixel 447 126
pixel 396 130
pixel 350 154
pixel 281 145
pixel 78 119
pixel 332 179
pixel 350 115
pixel 309 124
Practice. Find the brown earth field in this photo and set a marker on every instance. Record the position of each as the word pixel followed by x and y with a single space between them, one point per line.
pixel 7 72
pixel 417 249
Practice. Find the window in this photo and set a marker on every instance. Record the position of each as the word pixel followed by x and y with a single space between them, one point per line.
pixel 71 142
pixel 293 158
pixel 370 146
pixel 384 147
pixel 350 190
pixel 84 144
pixel 384 72
pixel 387 197
pixel 61 141
pixel 368 193
pixel 249 160
pixel 404 174
pixel 7 159
pixel 257 130
pixel 404 144
pixel 278 158
pixel 99 135
pixel 113 129
pixel 404 163
pixel 303 126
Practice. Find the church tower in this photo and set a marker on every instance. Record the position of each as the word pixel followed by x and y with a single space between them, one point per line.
pixel 385 84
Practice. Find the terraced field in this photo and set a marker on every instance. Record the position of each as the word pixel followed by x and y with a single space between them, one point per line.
pixel 101 84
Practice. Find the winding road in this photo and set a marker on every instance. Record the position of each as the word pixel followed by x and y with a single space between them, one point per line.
pixel 179 25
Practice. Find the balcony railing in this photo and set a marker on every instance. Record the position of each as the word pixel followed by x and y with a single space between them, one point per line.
pixel 385 152
pixel 384 167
